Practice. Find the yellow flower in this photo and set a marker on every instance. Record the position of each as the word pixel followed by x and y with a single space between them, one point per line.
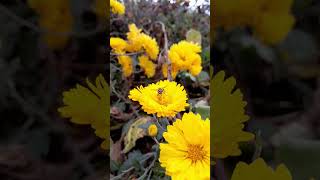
pixel 134 40
pixel 227 116
pixel 164 98
pixel 184 56
pixel 259 170
pixel 89 106
pixel 126 64
pixel 118 45
pixel 186 156
pixel 55 17
pixel 138 41
pixel 116 7
pixel 152 130
pixel 147 65
pixel 150 46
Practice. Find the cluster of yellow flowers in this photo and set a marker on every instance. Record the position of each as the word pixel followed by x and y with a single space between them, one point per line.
pixel 89 106
pixel 271 20
pixel 137 42
pixel 55 17
pixel 184 56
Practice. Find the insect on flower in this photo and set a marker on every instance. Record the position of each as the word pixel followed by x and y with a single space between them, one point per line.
pixel 160 91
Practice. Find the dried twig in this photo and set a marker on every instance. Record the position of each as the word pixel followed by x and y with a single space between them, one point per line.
pixel 148 168
pixel 165 54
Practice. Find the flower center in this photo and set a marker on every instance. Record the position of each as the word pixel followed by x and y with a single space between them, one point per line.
pixel 162 97
pixel 196 153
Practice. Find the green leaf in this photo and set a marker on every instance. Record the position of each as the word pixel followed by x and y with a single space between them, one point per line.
pixel 203 109
pixel 194 36
pixel 204 78
pixel 133 157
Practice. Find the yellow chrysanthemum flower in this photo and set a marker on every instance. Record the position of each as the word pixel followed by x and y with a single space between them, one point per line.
pixel 260 170
pixel 152 130
pixel 126 64
pixel 227 116
pixel 138 41
pixel 150 46
pixel 89 106
pixel 134 40
pixel 147 65
pixel 116 7
pixel 184 56
pixel 118 45
pixel 186 155
pixel 55 17
pixel 164 98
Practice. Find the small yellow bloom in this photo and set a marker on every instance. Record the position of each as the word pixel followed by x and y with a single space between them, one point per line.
pixel 139 41
pixel 260 170
pixel 147 65
pixel 164 98
pixel 185 56
pixel 118 45
pixel 134 40
pixel 126 64
pixel 152 130
pixel 116 7
pixel 186 155
pixel 150 46
pixel 89 106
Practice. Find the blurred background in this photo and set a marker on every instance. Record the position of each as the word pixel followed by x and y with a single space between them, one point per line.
pixel 274 55
pixel 47 47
